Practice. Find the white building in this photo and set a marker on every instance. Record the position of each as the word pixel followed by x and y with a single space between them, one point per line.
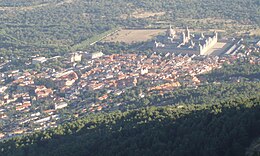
pixel 38 60
pixel 93 55
pixel 75 57
pixel 144 71
pixel 60 105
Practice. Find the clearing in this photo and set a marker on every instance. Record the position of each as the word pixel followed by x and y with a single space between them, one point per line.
pixel 142 14
pixel 147 14
pixel 133 35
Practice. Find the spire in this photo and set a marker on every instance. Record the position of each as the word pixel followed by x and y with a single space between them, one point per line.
pixel 215 34
pixel 202 35
pixel 170 32
pixel 187 32
pixel 183 37
pixel 192 43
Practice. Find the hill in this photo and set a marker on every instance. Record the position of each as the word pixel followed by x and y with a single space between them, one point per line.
pixel 59 25
pixel 199 130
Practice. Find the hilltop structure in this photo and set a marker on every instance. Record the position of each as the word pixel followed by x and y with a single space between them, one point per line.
pixel 185 42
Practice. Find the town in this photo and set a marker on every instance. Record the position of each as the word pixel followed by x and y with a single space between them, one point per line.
pixel 41 98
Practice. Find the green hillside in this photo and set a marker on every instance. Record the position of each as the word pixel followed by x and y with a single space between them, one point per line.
pixel 225 129
pixel 69 23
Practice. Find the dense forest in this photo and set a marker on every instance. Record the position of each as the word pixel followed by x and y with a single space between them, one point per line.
pixel 225 129
pixel 52 27
pixel 240 69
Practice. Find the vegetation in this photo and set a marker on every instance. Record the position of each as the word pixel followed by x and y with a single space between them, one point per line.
pixel 218 119
pixel 213 119
pixel 238 69
pixel 218 129
pixel 235 81
pixel 53 27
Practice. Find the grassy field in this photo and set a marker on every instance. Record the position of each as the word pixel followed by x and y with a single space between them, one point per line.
pixel 133 35
pixel 91 41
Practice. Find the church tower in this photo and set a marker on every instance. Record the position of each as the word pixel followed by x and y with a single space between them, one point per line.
pixel 183 38
pixel 170 32
pixel 187 33
pixel 216 35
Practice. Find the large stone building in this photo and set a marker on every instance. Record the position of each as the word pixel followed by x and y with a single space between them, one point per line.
pixel 185 42
pixel 75 57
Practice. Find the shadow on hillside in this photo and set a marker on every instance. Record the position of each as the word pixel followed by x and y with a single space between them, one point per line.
pixel 159 131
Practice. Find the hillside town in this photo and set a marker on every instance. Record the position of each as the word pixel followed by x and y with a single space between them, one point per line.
pixel 33 100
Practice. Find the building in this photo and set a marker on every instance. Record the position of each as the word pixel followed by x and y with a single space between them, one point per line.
pixel 67 78
pixel 93 55
pixel 2 135
pixel 38 60
pixel 43 92
pixel 60 105
pixel 185 42
pixel 144 71
pixel 75 57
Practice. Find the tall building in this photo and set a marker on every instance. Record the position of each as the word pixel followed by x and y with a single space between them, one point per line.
pixel 185 42
pixel 75 57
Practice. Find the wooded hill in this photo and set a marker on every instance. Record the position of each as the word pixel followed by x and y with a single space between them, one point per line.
pixel 51 27
pixel 225 129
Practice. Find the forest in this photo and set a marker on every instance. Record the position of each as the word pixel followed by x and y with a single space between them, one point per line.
pixel 225 129
pixel 51 28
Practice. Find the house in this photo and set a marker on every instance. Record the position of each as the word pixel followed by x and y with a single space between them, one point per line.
pixel 2 116
pixel 43 92
pixel 103 97
pixel 2 89
pixel 23 106
pixel 66 78
pixel 93 55
pixel 60 105
pixel 2 135
pixel 99 108
pixel 38 60
pixel 97 86
pixel 18 131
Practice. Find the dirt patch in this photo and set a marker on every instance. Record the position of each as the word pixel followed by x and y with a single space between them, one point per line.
pixel 132 36
pixel 147 14
pixel 142 14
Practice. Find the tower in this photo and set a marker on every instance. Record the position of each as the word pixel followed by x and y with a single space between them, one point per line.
pixel 187 33
pixel 216 35
pixel 202 35
pixel 200 48
pixel 170 32
pixel 183 37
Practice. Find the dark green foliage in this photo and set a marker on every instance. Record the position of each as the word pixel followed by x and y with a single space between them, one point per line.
pixel 239 69
pixel 52 27
pixel 199 130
